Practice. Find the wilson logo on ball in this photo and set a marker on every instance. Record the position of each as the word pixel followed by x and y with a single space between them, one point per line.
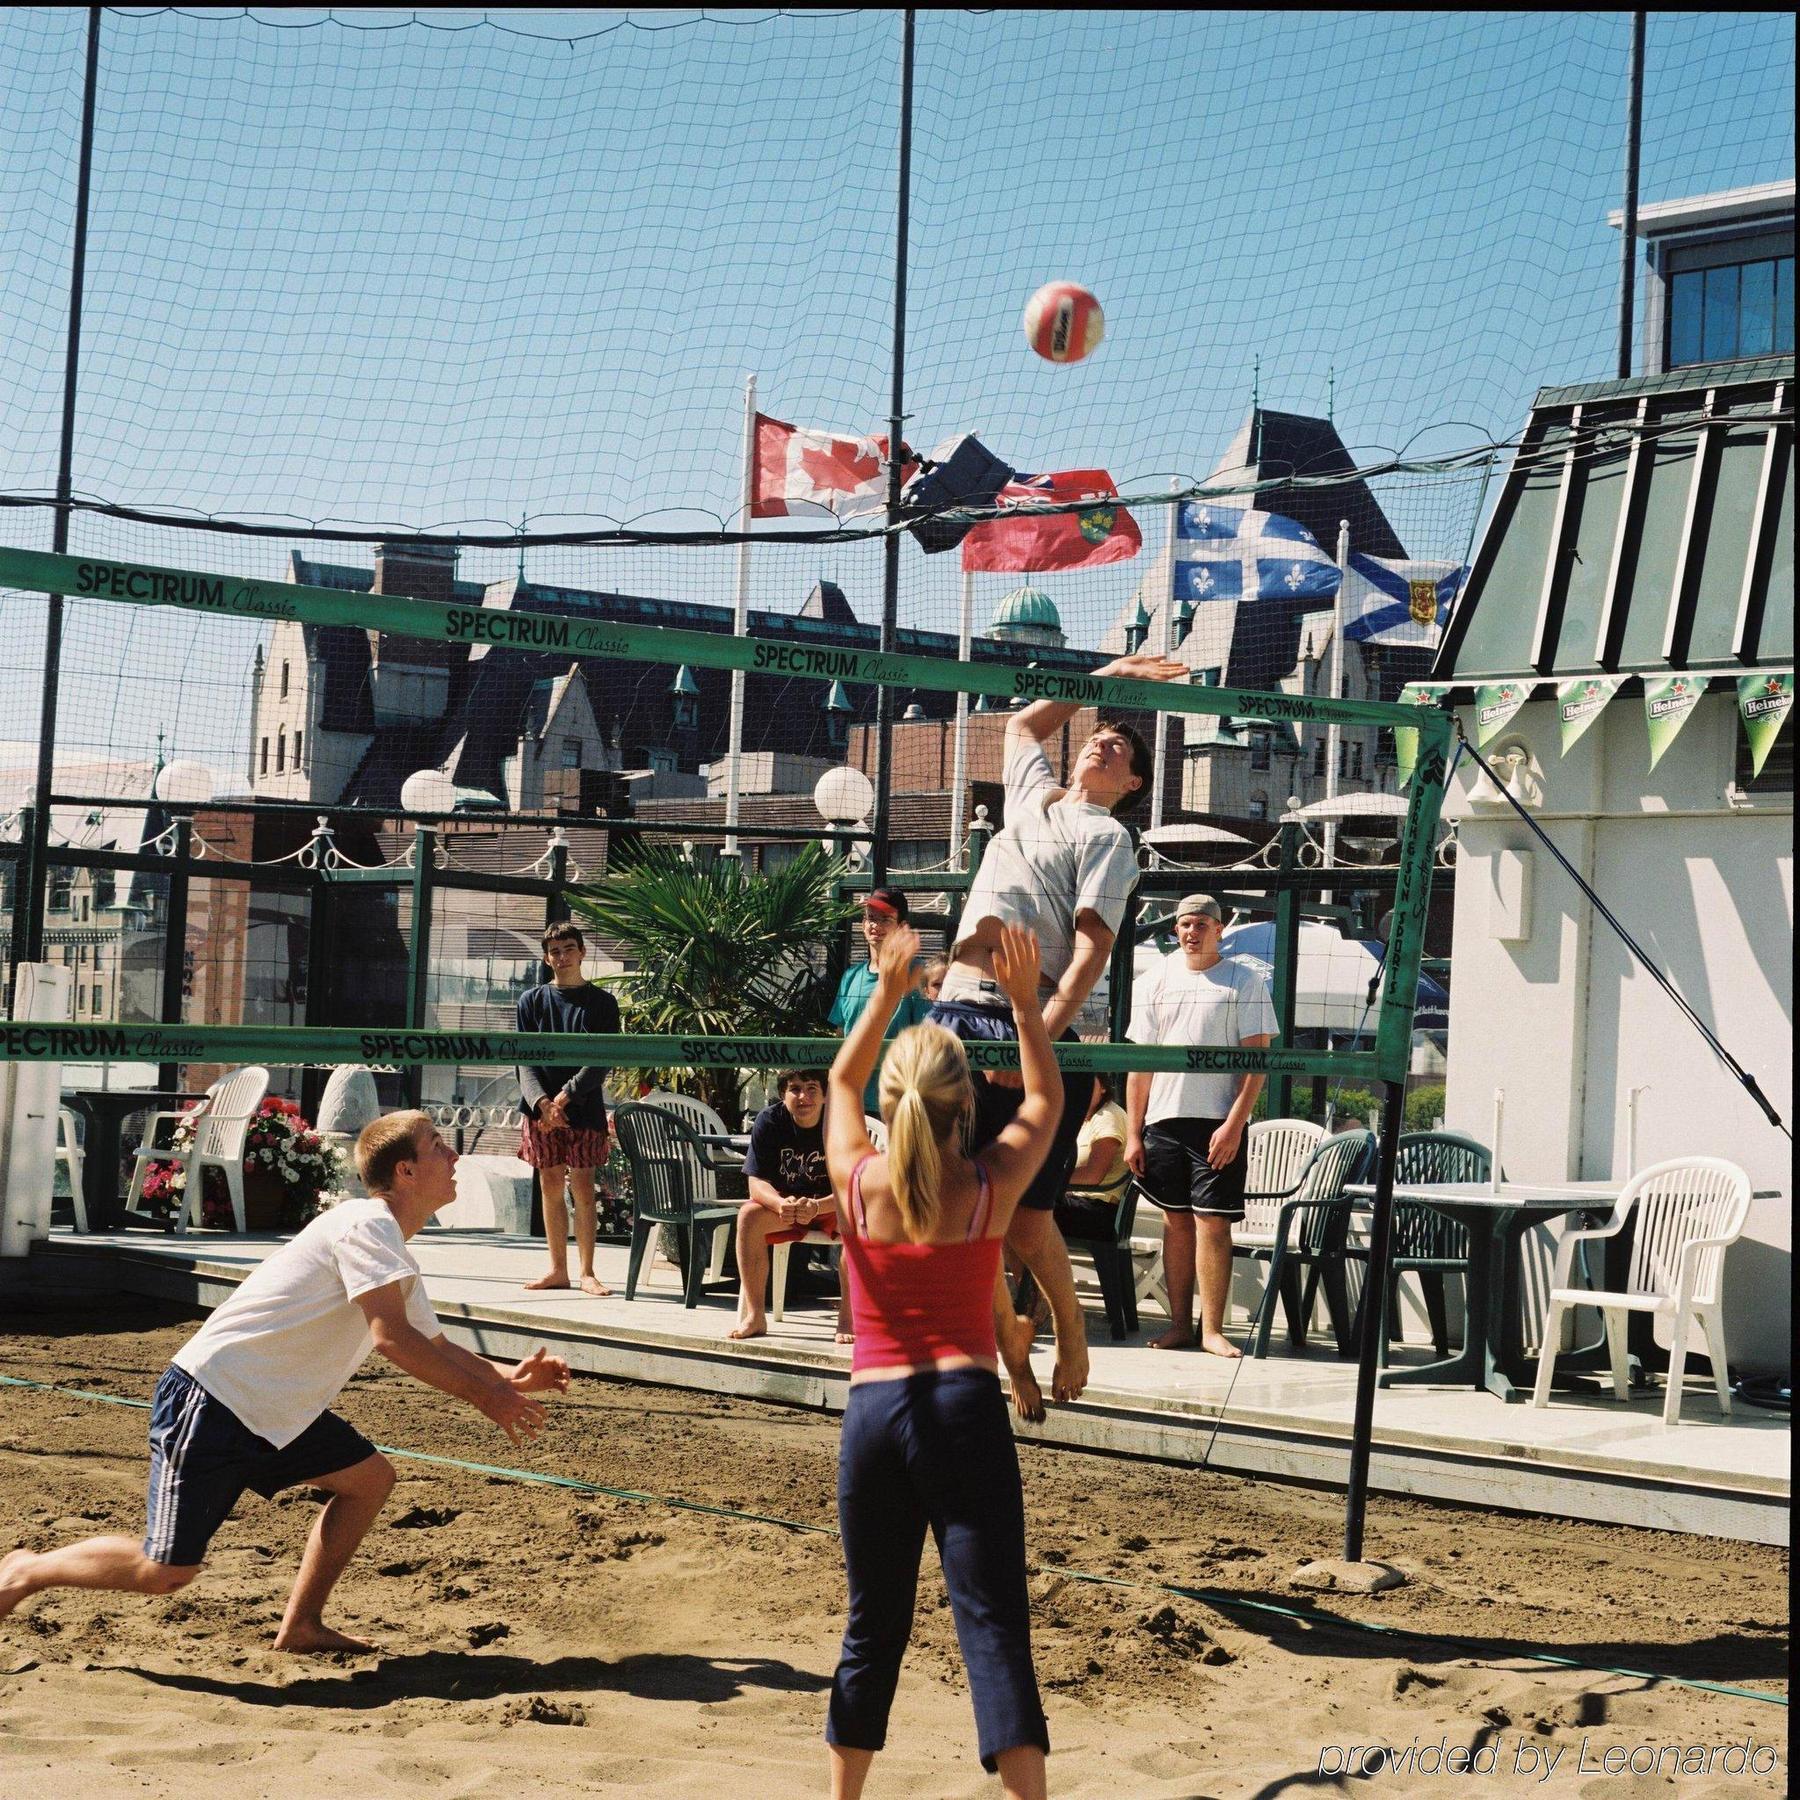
pixel 1063 321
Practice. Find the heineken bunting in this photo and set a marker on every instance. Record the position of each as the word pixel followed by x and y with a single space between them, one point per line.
pixel 1406 740
pixel 1497 705
pixel 1667 703
pixel 1581 701
pixel 1764 702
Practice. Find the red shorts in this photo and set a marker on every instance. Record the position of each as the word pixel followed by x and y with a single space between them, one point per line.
pixel 825 1222
pixel 572 1147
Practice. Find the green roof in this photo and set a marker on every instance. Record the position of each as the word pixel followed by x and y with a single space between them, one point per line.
pixel 1646 526
pixel 684 682
pixel 1027 606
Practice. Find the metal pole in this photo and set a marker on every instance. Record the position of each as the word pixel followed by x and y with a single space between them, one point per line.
pixel 890 570
pixel 1628 235
pixel 1374 1312
pixel 1158 780
pixel 740 622
pixel 21 896
pixel 959 767
pixel 1333 732
pixel 175 938
pixel 418 950
pixel 1287 960
pixel 38 871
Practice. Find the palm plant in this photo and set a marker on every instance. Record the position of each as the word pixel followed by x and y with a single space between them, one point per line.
pixel 719 952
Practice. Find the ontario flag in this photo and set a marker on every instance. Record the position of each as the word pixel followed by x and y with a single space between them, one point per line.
pixel 802 471
pixel 1024 540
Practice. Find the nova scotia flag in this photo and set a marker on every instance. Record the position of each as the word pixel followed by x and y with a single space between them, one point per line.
pixel 1236 553
pixel 1399 602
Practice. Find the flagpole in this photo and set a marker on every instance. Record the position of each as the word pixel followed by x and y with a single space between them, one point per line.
pixel 1157 780
pixel 740 622
pixel 1332 739
pixel 890 568
pixel 959 767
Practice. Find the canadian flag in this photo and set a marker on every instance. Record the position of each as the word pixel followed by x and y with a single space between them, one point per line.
pixel 802 471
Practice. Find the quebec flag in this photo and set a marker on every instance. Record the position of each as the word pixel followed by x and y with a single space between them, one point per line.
pixel 1236 553
pixel 1393 602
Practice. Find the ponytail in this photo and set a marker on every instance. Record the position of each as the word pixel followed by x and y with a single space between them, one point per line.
pixel 925 1096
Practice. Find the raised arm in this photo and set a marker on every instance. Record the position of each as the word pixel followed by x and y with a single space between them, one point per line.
pixel 1017 1154
pixel 1042 719
pixel 846 1136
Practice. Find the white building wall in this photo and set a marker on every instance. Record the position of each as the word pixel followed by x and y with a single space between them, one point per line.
pixel 1566 1021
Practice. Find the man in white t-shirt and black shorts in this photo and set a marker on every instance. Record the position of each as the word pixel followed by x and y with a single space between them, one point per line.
pixel 1063 867
pixel 245 1402
pixel 1186 1131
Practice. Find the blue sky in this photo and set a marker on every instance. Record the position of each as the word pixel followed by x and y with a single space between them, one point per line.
pixel 440 276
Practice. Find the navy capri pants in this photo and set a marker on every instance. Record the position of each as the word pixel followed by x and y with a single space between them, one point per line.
pixel 934 1449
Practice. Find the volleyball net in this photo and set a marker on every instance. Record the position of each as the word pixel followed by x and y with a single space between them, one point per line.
pixel 408 1037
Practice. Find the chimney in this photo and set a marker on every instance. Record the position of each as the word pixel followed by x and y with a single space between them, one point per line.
pixel 424 571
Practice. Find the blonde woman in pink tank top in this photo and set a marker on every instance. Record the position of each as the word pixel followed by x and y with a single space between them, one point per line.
pixel 926 1440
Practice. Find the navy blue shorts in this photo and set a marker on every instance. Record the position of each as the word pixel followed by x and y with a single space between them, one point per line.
pixel 995 1106
pixel 203 1456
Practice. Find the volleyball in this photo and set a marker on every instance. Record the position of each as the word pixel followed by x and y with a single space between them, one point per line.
pixel 1063 321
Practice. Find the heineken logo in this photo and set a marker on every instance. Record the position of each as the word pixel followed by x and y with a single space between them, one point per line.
pixel 1764 704
pixel 1501 704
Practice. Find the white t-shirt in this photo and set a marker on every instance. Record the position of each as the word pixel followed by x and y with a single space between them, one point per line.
pixel 1219 1006
pixel 1053 859
pixel 279 1351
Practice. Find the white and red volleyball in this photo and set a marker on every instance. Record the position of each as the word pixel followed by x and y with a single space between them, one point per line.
pixel 1063 321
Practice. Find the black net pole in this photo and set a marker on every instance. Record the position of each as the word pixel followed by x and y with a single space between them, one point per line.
pixel 1628 222
pixel 37 870
pixel 1374 1320
pixel 890 564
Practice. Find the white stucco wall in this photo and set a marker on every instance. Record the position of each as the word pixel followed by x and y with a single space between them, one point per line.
pixel 1567 1022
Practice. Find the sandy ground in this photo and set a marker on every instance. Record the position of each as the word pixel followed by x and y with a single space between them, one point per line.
pixel 536 1640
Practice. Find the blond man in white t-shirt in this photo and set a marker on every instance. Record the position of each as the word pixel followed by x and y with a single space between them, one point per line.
pixel 245 1403
pixel 1185 1132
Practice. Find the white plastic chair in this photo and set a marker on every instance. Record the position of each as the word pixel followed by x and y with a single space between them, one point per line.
pixel 1689 1212
pixel 70 1154
pixel 221 1125
pixel 1277 1152
pixel 1147 1256
pixel 778 1253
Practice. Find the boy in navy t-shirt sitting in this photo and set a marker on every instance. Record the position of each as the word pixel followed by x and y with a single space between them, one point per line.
pixel 790 1191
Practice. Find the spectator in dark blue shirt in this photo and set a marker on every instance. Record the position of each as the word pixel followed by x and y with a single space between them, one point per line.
pixel 790 1191
pixel 564 1135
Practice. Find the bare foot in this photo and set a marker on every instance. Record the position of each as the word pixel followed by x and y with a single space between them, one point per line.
pixel 12 1582
pixel 845 1332
pixel 1027 1396
pixel 592 1284
pixel 555 1279
pixel 1177 1337
pixel 1024 1335
pixel 753 1327
pixel 314 1640
pixel 1216 1343
pixel 1069 1374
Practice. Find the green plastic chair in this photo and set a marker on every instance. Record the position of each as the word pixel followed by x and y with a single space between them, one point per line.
pixel 1111 1256
pixel 666 1158
pixel 1310 1233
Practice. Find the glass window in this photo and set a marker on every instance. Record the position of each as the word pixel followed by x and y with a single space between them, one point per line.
pixel 1684 319
pixel 1719 323
pixel 1259 750
pixel 571 753
pixel 1259 806
pixel 1784 303
pixel 265 757
pixel 96 996
pixel 280 751
pixel 1756 319
pixel 284 681
pixel 299 737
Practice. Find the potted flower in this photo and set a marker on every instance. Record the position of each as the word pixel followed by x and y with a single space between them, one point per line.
pixel 288 1168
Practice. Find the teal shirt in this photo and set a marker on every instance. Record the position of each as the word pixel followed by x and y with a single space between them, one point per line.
pixel 853 994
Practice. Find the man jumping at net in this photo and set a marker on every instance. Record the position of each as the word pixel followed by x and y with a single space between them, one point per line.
pixel 245 1401
pixel 1062 867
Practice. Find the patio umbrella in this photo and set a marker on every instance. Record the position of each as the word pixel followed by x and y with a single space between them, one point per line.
pixel 1332 982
